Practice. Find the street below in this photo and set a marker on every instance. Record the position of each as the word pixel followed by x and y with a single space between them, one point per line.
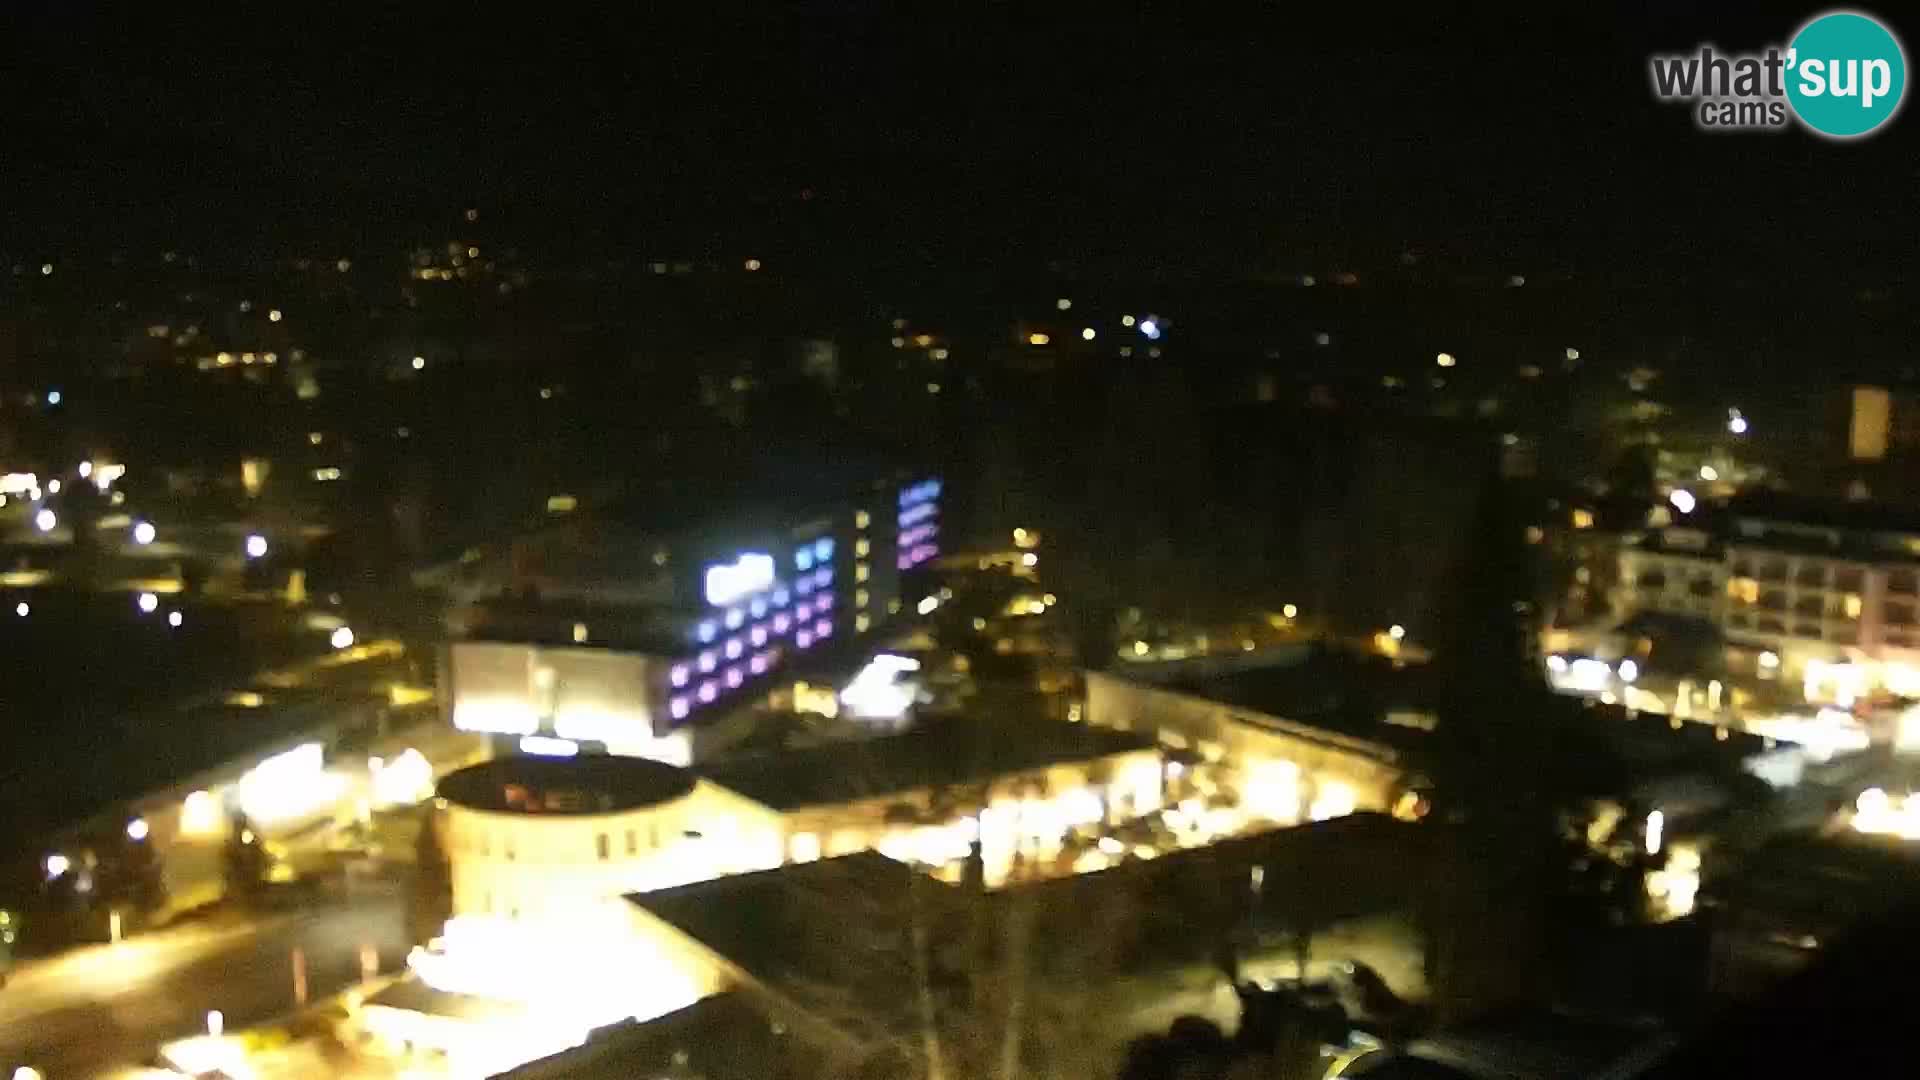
pixel 99 1009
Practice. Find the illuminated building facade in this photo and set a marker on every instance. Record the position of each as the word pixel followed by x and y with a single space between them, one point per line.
pixel 1826 594
pixel 596 639
pixel 1282 772
pixel 531 837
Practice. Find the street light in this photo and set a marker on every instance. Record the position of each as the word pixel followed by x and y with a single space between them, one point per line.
pixel 45 520
pixel 149 603
pixel 138 829
pixel 143 533
pixel 256 546
pixel 342 638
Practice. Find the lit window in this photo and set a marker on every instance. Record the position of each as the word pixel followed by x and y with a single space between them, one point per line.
pixel 862 548
pixel 709 661
pixel 734 678
pixel 861 571
pixel 735 618
pixel 601 845
pixel 1853 605
pixel 860 598
pixel 803 847
pixel 734 648
pixel 633 842
pixel 861 519
pixel 861 623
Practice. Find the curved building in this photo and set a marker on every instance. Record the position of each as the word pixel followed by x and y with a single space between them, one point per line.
pixel 539 836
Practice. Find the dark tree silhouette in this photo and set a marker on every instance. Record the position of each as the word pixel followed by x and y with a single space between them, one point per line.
pixel 246 861
pixel 431 901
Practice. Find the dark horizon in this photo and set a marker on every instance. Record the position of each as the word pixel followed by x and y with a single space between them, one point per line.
pixel 890 146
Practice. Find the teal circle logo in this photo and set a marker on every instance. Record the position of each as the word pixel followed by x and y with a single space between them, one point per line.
pixel 1846 74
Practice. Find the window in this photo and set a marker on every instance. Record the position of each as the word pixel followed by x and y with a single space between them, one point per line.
pixel 1744 590
pixel 1773 570
pixel 605 849
pixel 1811 576
pixel 861 548
pixel 1653 581
pixel 1701 587
pixel 633 842
pixel 1850 605
pixel 1772 626
pixel 1773 600
pixel 1899 614
pixel 1847 578
pixel 1807 630
pixel 1901 582
pixel 1810 606
pixel 803 847
pixel 860 572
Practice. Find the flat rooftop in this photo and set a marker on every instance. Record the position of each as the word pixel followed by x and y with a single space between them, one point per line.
pixel 936 753
pixel 725 1037
pixel 558 786
pixel 832 937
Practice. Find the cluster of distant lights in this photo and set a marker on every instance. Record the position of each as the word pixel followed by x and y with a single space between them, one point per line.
pixel 918 529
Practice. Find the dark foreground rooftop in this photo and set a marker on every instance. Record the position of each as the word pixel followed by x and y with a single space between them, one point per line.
pixel 936 753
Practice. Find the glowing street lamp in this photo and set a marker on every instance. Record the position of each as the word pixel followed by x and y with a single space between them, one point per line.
pixel 256 546
pixel 342 638
pixel 143 533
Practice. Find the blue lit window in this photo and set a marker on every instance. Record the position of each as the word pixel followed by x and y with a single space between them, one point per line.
pixel 823 548
pixel 734 618
pixel 803 559
pixel 708 631
pixel 780 597
pixel 758 607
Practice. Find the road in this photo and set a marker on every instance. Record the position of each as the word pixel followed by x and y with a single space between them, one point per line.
pixel 85 1013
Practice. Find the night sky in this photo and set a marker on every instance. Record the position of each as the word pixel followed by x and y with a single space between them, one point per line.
pixel 1164 136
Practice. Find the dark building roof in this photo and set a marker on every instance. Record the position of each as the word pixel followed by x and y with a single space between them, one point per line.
pixel 1824 513
pixel 934 754
pixel 725 1037
pixel 827 936
pixel 575 785
pixel 1338 691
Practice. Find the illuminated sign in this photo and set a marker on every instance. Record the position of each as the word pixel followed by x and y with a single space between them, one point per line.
pixel 748 574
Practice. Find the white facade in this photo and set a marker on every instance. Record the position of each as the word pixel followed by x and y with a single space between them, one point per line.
pixel 525 865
